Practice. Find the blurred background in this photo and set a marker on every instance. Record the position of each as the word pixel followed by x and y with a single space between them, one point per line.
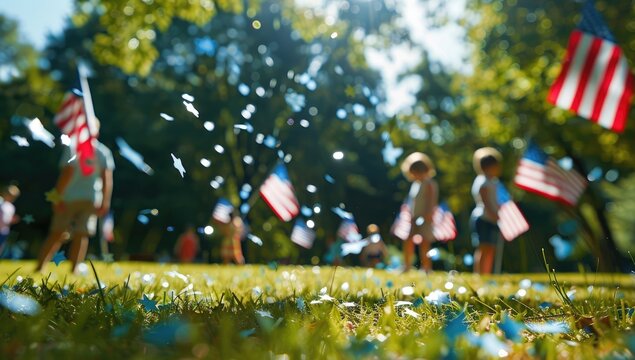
pixel 338 90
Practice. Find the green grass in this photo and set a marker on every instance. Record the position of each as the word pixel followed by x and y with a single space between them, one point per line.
pixel 212 311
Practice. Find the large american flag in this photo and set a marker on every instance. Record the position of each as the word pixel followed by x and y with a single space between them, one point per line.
pixel 223 211
pixel 539 173
pixel 278 193
pixel 595 81
pixel 511 221
pixel 71 119
pixel 443 224
pixel 302 235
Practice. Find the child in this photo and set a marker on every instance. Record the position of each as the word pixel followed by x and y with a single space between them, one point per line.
pixel 375 251
pixel 232 233
pixel 187 245
pixel 7 213
pixel 485 232
pixel 423 199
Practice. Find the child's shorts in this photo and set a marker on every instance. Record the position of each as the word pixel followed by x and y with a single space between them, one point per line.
pixel 484 232
pixel 78 217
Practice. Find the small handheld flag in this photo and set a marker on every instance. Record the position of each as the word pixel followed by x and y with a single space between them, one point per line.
pixel 444 226
pixel 302 235
pixel 223 211
pixel 401 227
pixel 349 231
pixel 278 193
pixel 539 173
pixel 595 81
pixel 511 221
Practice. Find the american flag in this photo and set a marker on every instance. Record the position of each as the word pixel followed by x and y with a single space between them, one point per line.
pixel 511 221
pixel 539 173
pixel 302 235
pixel 349 231
pixel 72 121
pixel 278 193
pixel 444 226
pixel 595 81
pixel 223 211
pixel 401 226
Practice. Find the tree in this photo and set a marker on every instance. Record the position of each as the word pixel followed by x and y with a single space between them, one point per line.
pixel 518 49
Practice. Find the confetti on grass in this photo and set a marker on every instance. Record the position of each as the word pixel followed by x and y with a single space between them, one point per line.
pixel 148 305
pixel 19 303
pixel 58 258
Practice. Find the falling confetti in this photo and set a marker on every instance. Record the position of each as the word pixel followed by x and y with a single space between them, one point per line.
pixel 133 156
pixel 166 117
pixel 178 165
pixel 21 141
pixel 190 107
pixel 39 133
pixel 209 126
pixel 187 97
pixel 28 219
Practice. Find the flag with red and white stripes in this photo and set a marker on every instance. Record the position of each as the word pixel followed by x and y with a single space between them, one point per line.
pixel 595 81
pixel 278 193
pixel 539 173
pixel 511 221
pixel 223 211
pixel 348 230
pixel 443 224
pixel 302 234
pixel 71 119
pixel 403 222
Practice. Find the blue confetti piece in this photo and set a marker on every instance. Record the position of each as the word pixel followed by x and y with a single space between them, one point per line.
pixel 341 114
pixel 247 333
pixel 295 101
pixel 418 302
pixel 468 260
pixel 545 305
pixel 300 304
pixel 148 305
pixel 270 142
pixel 58 258
pixel 329 179
pixel 511 328
pixel 306 211
pixel 456 327
pixel 19 303
pixel 389 284
pixel 243 89
pixel 143 219
pixel 562 248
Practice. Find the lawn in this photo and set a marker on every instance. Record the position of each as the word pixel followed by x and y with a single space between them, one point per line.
pixel 161 311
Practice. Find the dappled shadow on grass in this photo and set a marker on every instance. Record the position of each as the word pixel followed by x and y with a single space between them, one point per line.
pixel 211 311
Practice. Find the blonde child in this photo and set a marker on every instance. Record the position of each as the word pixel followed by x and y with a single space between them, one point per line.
pixel 485 232
pixel 423 199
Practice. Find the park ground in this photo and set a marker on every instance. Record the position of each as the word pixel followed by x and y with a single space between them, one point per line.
pixel 149 310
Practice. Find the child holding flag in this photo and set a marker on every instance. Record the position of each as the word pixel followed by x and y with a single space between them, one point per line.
pixel 423 200
pixel 483 222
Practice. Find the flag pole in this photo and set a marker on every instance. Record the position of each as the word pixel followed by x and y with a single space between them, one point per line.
pixel 82 70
